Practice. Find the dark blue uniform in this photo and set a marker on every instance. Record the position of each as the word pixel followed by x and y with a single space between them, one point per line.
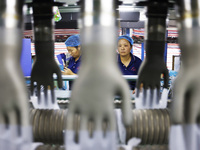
pixel 131 69
pixel 74 67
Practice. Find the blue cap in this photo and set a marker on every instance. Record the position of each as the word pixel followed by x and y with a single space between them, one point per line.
pixel 128 38
pixel 73 41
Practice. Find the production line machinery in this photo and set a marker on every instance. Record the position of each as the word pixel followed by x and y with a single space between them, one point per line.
pixel 154 147
pixel 151 126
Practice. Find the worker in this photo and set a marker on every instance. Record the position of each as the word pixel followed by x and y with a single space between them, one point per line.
pixel 74 49
pixel 129 64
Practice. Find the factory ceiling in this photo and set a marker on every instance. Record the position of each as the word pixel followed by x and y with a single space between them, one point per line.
pixel 130 15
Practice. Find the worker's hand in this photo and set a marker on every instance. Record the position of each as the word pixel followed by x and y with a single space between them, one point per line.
pixel 133 92
pixel 68 71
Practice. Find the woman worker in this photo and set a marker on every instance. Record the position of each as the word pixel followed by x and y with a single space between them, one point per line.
pixel 129 64
pixel 74 49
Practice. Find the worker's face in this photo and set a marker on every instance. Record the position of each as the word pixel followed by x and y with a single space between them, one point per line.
pixel 74 52
pixel 124 47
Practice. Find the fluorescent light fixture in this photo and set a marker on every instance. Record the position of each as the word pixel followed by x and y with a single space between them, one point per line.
pixel 128 1
pixel 126 8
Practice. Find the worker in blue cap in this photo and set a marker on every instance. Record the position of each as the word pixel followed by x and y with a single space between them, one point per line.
pixel 129 64
pixel 74 49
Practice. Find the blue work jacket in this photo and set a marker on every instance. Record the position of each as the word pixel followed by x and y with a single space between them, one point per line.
pixel 74 67
pixel 131 69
